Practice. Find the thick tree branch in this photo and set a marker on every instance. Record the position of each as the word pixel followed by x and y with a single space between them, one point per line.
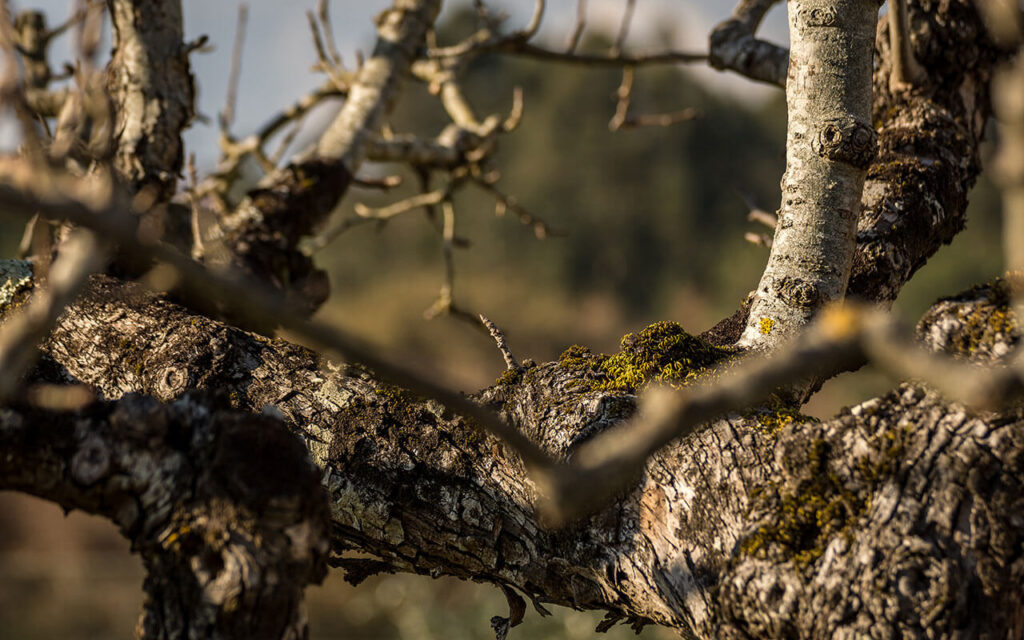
pixel 915 195
pixel 829 146
pixel 151 87
pixel 224 507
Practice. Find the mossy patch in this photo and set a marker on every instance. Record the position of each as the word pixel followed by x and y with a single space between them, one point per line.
pixel 662 352
pixel 775 415
pixel 809 511
pixel 820 508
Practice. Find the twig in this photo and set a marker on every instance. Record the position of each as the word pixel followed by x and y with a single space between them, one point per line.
pixel 227 114
pixel 759 239
pixel 627 19
pixel 581 25
pixel 503 202
pixel 499 338
pixel 392 210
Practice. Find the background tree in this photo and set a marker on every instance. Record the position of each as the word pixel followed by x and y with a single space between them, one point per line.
pixel 716 509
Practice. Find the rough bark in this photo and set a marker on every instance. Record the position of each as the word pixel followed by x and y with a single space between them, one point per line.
pixel 762 525
pixel 224 507
pixel 152 91
pixel 829 146
pixel 915 195
pixel 897 519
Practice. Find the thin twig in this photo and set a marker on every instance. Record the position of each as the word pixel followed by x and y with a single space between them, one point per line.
pixel 499 338
pixel 581 25
pixel 627 20
pixel 227 115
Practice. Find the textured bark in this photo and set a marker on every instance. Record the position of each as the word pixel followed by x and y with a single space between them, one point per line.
pixel 263 231
pixel 897 516
pixel 829 145
pixel 224 507
pixel 900 518
pixel 915 196
pixel 152 91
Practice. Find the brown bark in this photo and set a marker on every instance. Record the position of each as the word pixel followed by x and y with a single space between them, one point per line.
pixel 915 196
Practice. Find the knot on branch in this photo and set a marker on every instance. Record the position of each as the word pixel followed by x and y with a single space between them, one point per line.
pixel 817 16
pixel 797 292
pixel 847 140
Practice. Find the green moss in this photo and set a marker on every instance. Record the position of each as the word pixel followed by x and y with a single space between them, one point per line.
pixel 820 509
pixel 510 377
pixel 661 352
pixel 820 505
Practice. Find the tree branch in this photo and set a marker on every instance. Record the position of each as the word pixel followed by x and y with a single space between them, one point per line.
pixel 732 45
pixel 224 507
pixel 150 85
pixel 829 146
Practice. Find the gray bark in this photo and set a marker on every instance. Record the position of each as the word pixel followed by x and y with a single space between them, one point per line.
pixel 152 92
pixel 830 144
pixel 897 519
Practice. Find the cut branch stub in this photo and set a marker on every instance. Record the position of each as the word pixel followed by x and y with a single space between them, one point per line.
pixel 829 147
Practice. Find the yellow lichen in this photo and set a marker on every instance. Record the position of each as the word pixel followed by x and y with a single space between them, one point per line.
pixel 766 325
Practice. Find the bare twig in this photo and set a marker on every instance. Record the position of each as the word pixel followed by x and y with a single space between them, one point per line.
pixel 622 118
pixel 627 20
pixel 499 338
pixel 759 239
pixel 504 202
pixel 581 25
pixel 392 210
pixel 227 114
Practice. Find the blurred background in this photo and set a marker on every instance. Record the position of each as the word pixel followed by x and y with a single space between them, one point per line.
pixel 652 220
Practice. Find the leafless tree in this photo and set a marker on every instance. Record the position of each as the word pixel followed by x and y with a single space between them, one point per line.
pixel 673 483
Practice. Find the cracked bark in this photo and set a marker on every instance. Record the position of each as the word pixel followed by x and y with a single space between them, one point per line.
pixel 732 533
pixel 915 195
pixel 224 507
pixel 900 518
